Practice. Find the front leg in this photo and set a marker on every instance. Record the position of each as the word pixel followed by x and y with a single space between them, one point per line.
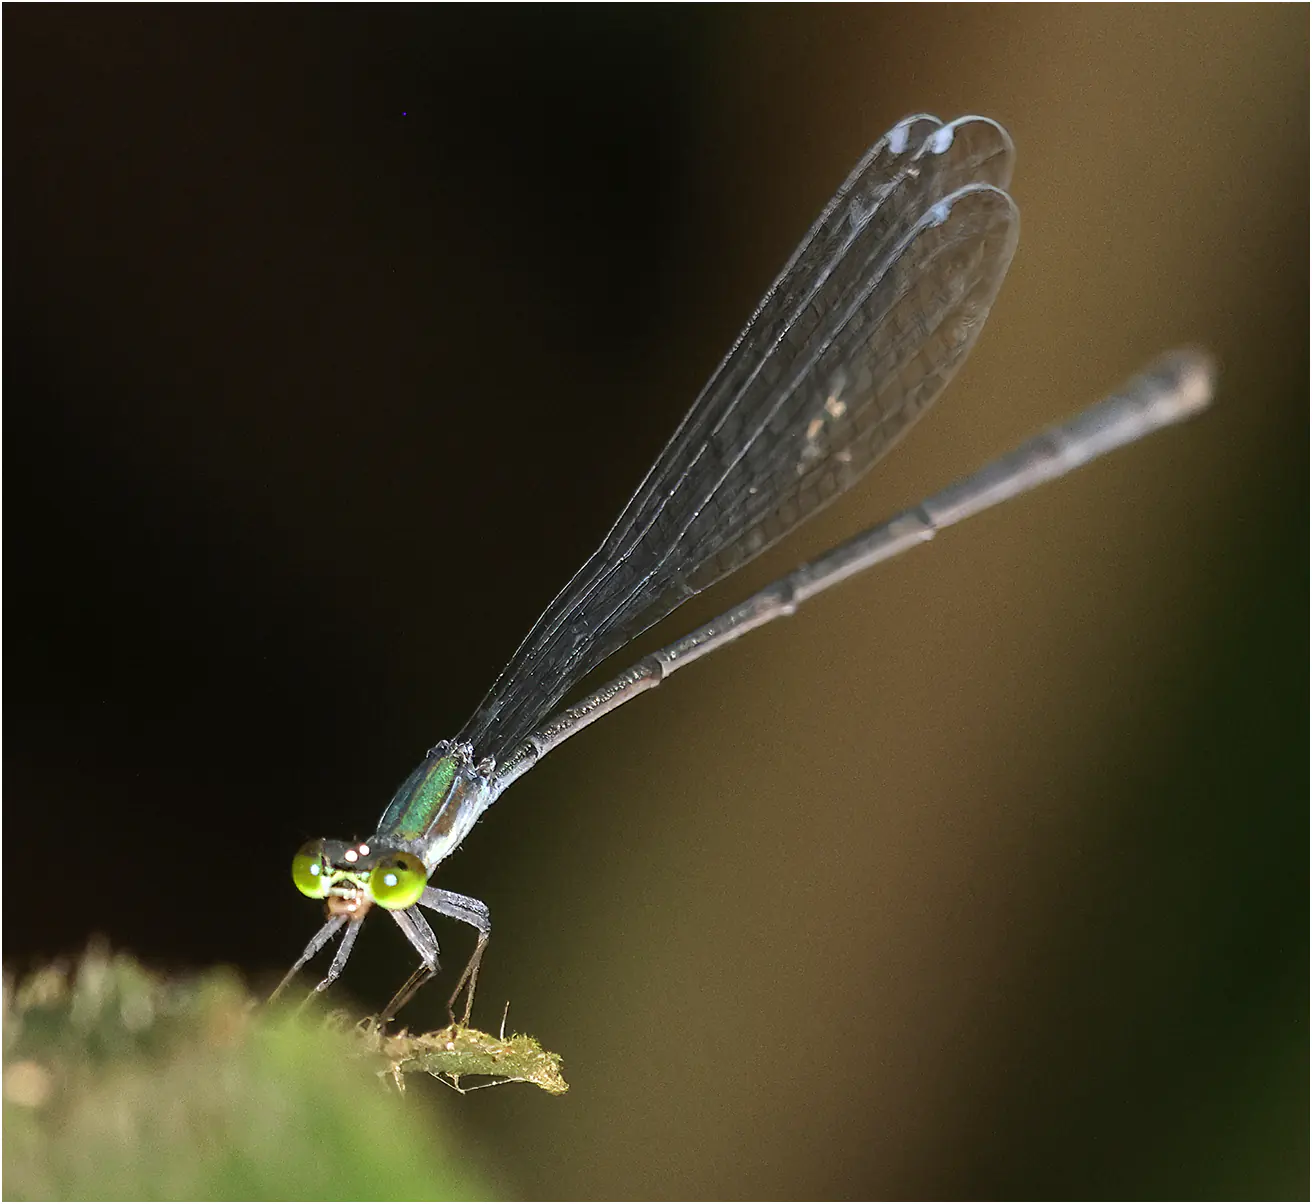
pixel 321 938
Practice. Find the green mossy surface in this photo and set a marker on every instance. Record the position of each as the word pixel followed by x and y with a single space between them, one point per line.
pixel 119 1085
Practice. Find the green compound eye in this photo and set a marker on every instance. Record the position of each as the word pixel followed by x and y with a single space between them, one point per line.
pixel 308 870
pixel 397 881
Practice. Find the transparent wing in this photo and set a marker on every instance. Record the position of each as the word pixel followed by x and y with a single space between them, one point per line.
pixel 870 318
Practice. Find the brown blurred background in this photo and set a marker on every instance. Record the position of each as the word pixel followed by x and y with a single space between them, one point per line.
pixel 334 340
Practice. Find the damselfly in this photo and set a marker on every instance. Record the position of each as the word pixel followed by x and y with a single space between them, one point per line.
pixel 866 324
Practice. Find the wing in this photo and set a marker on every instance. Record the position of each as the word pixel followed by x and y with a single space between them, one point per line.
pixel 865 325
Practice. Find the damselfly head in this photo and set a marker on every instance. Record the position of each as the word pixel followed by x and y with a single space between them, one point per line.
pixel 350 878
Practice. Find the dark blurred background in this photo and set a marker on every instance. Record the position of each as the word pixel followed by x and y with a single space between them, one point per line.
pixel 334 339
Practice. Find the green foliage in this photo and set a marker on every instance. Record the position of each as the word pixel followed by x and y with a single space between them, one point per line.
pixel 120 1086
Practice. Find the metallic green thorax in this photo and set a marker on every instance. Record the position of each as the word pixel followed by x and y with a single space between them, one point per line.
pixel 419 801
